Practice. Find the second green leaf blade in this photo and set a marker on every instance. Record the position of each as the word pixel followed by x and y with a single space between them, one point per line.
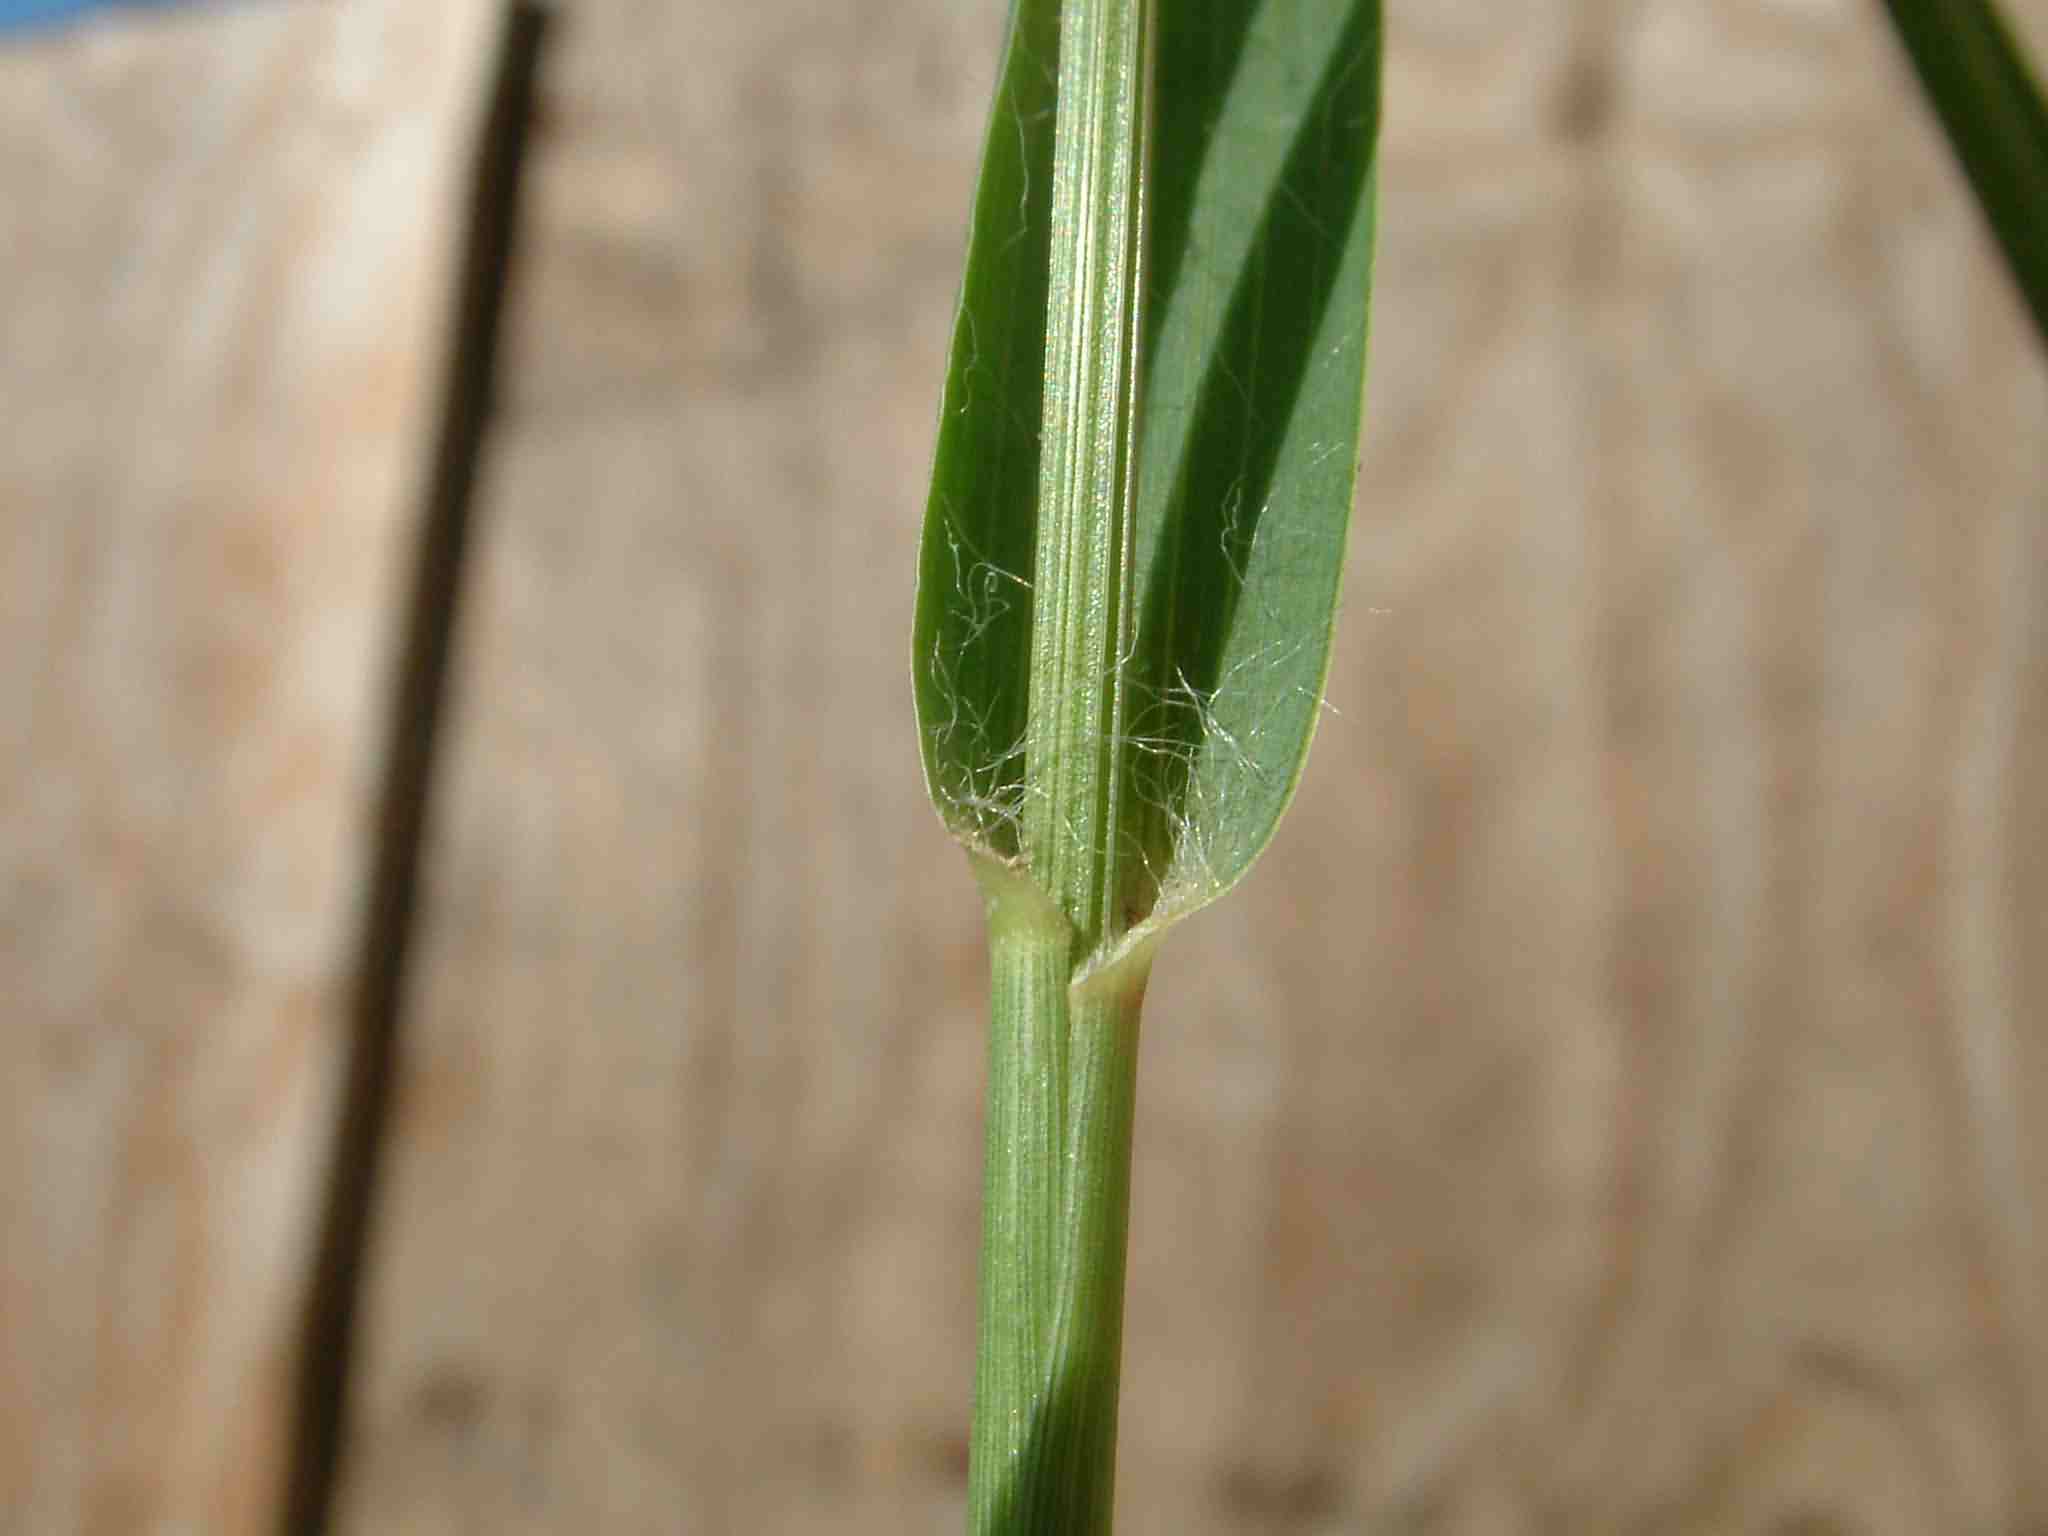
pixel 1977 77
pixel 1259 258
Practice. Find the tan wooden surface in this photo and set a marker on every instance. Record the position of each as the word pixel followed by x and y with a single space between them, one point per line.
pixel 1609 1109
pixel 1614 1104
pixel 225 236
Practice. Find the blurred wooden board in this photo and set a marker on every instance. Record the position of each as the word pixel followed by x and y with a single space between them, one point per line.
pixel 1607 1108
pixel 225 244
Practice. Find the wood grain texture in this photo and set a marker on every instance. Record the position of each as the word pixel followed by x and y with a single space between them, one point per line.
pixel 1608 1108
pixel 224 236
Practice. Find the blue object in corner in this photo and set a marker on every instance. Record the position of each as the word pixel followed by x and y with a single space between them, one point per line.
pixel 43 13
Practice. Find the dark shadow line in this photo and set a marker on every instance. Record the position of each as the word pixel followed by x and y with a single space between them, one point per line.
pixel 418 688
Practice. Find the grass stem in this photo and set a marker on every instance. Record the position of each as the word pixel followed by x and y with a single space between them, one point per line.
pixel 1062 1062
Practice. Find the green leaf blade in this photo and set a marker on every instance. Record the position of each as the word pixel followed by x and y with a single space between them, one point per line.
pixel 1990 105
pixel 1263 225
pixel 971 637
pixel 1260 224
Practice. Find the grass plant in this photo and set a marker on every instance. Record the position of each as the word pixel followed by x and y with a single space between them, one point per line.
pixel 1129 572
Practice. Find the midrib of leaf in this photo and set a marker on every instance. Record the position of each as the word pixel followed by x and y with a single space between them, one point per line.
pixel 1083 576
